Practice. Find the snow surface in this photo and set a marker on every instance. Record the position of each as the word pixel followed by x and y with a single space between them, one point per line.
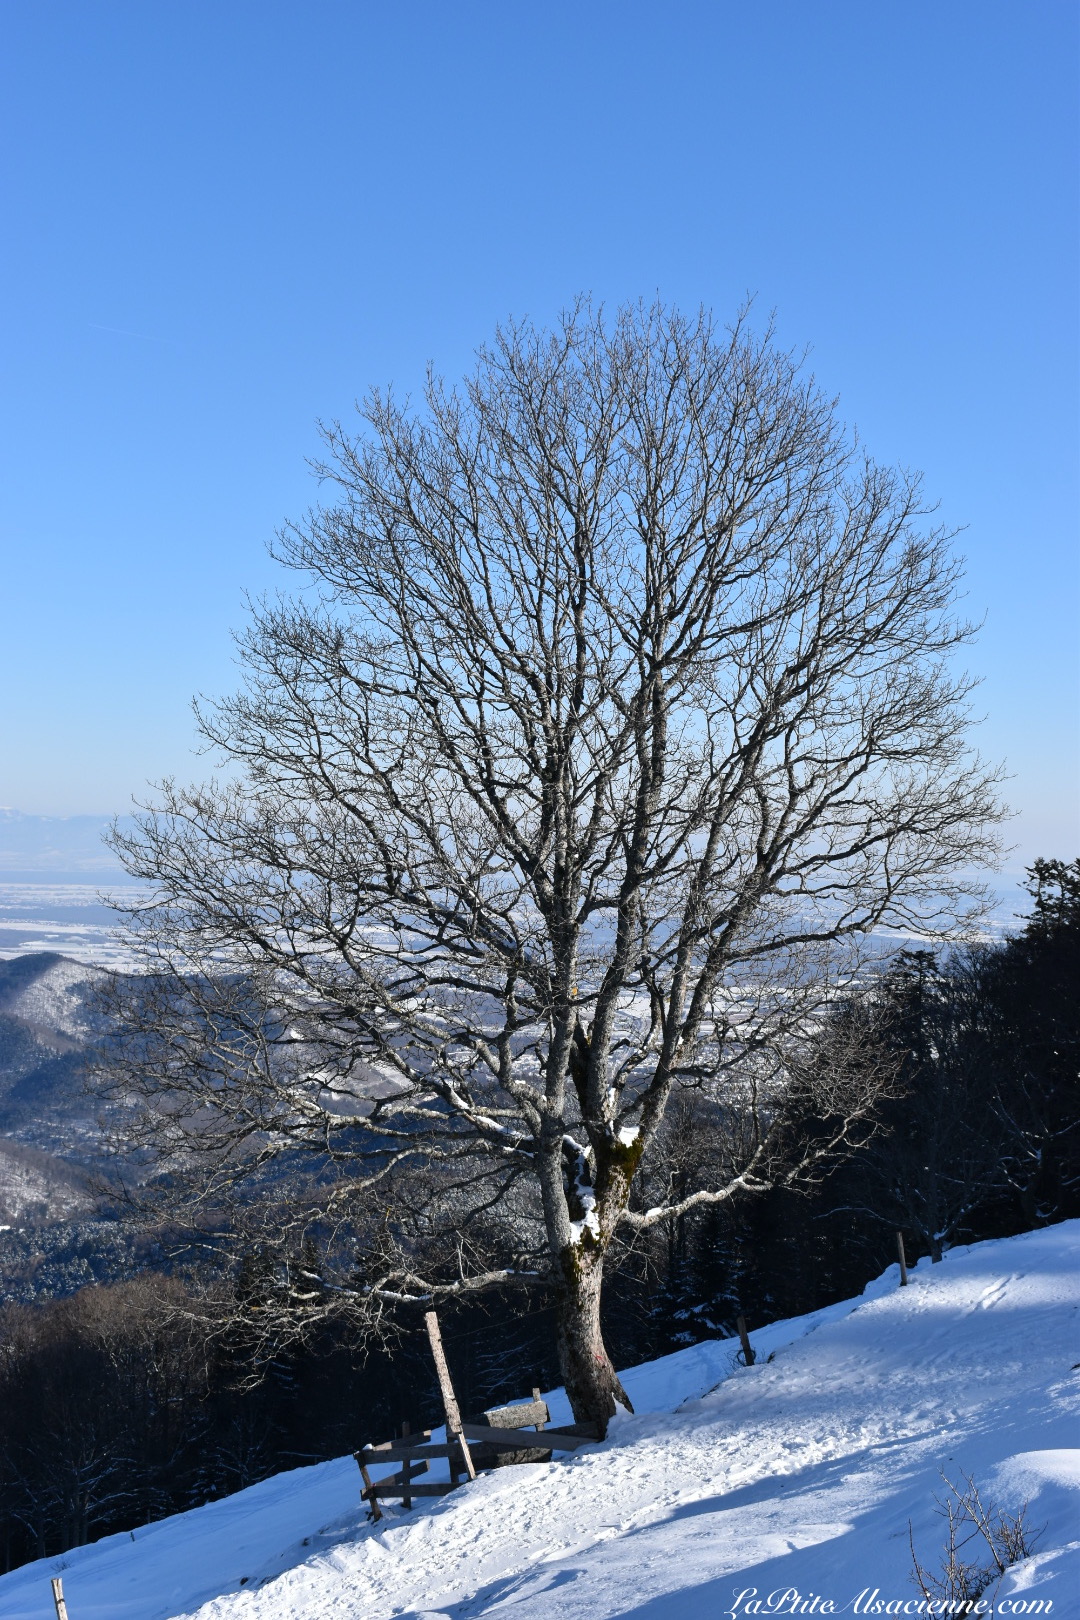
pixel 73 919
pixel 799 1474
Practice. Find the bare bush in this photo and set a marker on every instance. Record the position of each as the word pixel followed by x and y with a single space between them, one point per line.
pixel 981 1544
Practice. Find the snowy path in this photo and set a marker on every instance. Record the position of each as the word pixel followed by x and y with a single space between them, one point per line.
pixel 801 1472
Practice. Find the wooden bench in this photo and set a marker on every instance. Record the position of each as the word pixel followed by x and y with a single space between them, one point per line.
pixel 494 1441
pixel 495 1437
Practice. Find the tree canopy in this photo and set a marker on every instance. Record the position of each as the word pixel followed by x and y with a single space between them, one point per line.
pixel 619 711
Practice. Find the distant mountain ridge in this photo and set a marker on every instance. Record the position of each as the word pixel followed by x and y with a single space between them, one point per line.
pixel 57 849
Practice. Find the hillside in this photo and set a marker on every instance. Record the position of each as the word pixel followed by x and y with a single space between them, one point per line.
pixel 45 1029
pixel 801 1472
pixel 52 1238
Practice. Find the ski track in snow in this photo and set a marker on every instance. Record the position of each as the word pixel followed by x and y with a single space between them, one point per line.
pixel 800 1472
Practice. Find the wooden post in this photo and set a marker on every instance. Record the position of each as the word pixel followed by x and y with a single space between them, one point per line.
pixel 536 1397
pixel 369 1493
pixel 903 1259
pixel 406 1471
pixel 748 1354
pixel 58 1598
pixel 450 1405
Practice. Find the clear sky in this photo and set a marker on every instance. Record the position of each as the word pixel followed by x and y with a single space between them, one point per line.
pixel 224 220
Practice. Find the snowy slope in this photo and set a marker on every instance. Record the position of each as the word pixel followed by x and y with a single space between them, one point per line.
pixel 799 1473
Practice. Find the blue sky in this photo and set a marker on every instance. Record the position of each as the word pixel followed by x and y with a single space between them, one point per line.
pixel 225 220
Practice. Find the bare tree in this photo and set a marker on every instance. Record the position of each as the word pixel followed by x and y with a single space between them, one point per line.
pixel 617 711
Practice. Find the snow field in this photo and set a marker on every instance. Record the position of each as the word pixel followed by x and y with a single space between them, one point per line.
pixel 798 1476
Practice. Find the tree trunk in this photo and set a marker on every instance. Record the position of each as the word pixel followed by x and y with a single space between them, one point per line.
pixel 592 1384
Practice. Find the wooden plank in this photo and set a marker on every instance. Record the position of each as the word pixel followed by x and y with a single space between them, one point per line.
pixel 364 1461
pixel 411 1470
pixel 420 1437
pixel 390 1487
pixel 368 1493
pixel 450 1405
pixel 517 1440
pixel 498 1457
pixel 523 1415
pixel 398 1451
pixel 371 1459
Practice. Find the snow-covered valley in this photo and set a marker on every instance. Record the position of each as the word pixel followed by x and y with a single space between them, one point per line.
pixel 798 1475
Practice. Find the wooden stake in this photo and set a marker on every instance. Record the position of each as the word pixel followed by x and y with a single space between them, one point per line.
pixel 406 1472
pixel 450 1405
pixel 467 1454
pixel 58 1598
pixel 903 1259
pixel 368 1493
pixel 748 1354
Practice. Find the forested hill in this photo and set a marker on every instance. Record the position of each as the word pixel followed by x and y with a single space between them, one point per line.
pixel 53 1239
pixel 45 1029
